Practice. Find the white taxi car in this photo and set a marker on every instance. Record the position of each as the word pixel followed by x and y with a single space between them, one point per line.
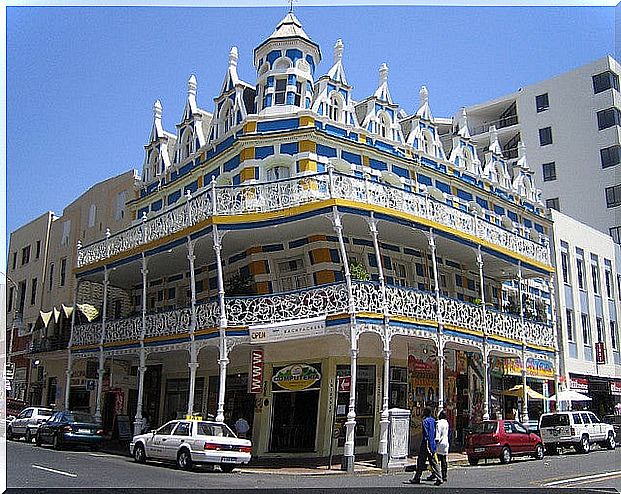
pixel 188 442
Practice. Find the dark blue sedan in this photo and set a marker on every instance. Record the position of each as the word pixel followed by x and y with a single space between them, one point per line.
pixel 68 428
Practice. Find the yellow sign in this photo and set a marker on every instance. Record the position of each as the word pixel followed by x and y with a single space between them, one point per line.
pixel 296 377
pixel 193 417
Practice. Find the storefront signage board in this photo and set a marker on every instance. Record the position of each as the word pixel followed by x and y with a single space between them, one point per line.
pixel 579 383
pixel 268 333
pixel 296 377
pixel 255 383
pixel 535 367
pixel 344 384
pixel 600 352
pixel 615 388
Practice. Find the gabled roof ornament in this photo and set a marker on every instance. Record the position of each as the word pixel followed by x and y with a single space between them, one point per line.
pixel 463 124
pixel 338 50
pixel 192 85
pixel 424 111
pixel 494 145
pixel 157 110
pixel 337 73
pixel 233 56
pixel 382 91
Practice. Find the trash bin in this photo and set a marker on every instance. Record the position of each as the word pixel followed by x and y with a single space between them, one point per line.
pixel 398 437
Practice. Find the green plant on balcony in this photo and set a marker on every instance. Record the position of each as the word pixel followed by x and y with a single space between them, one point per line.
pixel 239 285
pixel 358 271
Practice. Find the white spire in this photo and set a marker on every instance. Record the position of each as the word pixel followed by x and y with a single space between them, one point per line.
pixel 157 110
pixel 192 85
pixel 424 111
pixel 494 145
pixel 463 124
pixel 233 56
pixel 338 50
pixel 382 91
pixel 337 73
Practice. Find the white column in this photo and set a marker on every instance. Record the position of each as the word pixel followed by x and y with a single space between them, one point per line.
pixel 524 385
pixel 69 370
pixel 485 350
pixel 223 359
pixel 557 370
pixel 440 337
pixel 350 424
pixel 142 368
pixel 193 364
pixel 104 312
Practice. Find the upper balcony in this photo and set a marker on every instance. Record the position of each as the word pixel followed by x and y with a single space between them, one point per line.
pixel 320 302
pixel 316 190
pixel 500 123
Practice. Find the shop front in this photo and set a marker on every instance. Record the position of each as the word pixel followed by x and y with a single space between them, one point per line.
pixel 605 394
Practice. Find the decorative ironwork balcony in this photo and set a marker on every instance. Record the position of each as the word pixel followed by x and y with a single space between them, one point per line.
pixel 50 344
pixel 325 300
pixel 283 194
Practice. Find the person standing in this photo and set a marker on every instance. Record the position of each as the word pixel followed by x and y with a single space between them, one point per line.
pixel 242 427
pixel 427 450
pixel 442 440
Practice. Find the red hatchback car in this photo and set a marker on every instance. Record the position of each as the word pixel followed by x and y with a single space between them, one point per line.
pixel 502 439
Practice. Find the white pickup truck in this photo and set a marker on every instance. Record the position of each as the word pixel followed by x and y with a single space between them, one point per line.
pixel 578 429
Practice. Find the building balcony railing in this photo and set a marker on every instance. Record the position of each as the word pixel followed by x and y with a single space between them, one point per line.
pixel 321 301
pixel 49 344
pixel 283 194
pixel 501 123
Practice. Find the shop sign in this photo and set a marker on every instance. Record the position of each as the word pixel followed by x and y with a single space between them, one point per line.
pixel 615 388
pixel 255 383
pixel 600 352
pixel 343 384
pixel 534 367
pixel 20 374
pixel 268 333
pixel 579 383
pixel 296 377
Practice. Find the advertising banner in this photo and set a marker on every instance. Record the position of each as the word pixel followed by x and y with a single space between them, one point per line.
pixel 255 383
pixel 296 377
pixel 534 367
pixel 579 383
pixel 615 388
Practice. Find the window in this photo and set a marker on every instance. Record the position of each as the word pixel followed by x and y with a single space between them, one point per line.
pixel 580 268
pixel 14 260
pixel 614 335
pixel 38 249
pixel 400 272
pixel 577 418
pixel 565 266
pixel 542 103
pixel 51 277
pixel 63 270
pixel 605 80
pixel 383 126
pixel 600 329
pixel 183 429
pixel 585 418
pixel 569 314
pixel 608 279
pixel 608 118
pixel 595 273
pixel 10 301
pixel 334 109
pixel 613 196
pixel 610 156
pixel 22 297
pixel 66 231
pixel 549 171
pixel 586 330
pixel 121 198
pixel 298 94
pixel 172 293
pixel 594 419
pixel 92 214
pixel 166 429
pixel 545 136
pixel 279 94
pixel 553 203
pixel 615 233
pixel 26 255
pixel 277 173
pixel 33 292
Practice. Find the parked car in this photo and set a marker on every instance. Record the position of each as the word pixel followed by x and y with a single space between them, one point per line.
pixel 502 439
pixel 66 427
pixel 27 422
pixel 188 442
pixel 615 421
pixel 577 429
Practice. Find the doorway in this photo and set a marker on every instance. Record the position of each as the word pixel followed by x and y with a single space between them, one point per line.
pixel 294 422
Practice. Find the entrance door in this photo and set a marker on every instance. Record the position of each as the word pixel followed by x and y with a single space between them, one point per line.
pixel 294 423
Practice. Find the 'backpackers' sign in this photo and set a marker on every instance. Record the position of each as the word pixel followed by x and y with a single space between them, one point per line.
pixel 296 377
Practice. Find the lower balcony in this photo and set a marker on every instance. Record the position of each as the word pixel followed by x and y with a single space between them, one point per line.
pixel 410 308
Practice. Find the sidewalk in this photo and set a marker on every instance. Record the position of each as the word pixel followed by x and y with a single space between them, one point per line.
pixel 297 466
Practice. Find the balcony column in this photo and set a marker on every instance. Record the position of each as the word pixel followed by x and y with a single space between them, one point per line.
pixel 223 359
pixel 193 364
pixel 440 338
pixel 382 454
pixel 350 425
pixel 557 370
pixel 69 370
pixel 102 339
pixel 524 385
pixel 485 349
pixel 142 368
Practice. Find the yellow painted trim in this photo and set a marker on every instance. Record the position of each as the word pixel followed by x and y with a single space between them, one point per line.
pixel 338 316
pixel 246 154
pixel 307 165
pixel 362 138
pixel 176 336
pixel 365 161
pixel 464 330
pixel 308 146
pixel 84 347
pixel 307 121
pixel 412 320
pixel 247 174
pixel 250 127
pixel 206 331
pixel 539 347
pixel 370 315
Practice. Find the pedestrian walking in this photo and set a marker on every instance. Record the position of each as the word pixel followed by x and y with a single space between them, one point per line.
pixel 427 450
pixel 242 427
pixel 442 442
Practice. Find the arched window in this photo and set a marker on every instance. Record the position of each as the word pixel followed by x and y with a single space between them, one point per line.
pixel 335 108
pixel 383 126
pixel 186 144
pixel 227 117
pixel 277 172
pixel 427 143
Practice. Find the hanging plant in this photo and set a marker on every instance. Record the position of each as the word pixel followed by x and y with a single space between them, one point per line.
pixel 238 285
pixel 358 271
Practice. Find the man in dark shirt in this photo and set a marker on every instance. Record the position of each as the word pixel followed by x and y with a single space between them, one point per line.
pixel 427 450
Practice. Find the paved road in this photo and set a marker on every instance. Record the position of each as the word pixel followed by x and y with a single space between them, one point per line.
pixel 29 466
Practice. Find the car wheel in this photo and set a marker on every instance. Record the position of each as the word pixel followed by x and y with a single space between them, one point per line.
pixel 611 443
pixel 505 455
pixel 28 436
pixel 539 452
pixel 226 467
pixel 184 459
pixel 585 444
pixel 139 454
pixel 56 442
pixel 9 433
pixel 473 461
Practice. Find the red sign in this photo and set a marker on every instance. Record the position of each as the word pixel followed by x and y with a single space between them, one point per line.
pixel 579 383
pixel 615 388
pixel 600 352
pixel 343 384
pixel 255 383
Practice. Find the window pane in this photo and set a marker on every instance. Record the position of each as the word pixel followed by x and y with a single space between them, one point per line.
pixel 610 156
pixel 545 136
pixel 542 102
pixel 549 171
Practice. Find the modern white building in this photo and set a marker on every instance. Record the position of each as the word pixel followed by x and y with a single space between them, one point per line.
pixel 588 297
pixel 571 127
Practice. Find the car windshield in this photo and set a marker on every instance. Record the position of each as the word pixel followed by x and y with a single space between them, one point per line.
pixel 80 417
pixel 485 428
pixel 210 429
pixel 554 420
pixel 46 413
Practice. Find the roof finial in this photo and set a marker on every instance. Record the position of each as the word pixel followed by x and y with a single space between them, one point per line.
pixel 291 5
pixel 383 73
pixel 424 95
pixel 233 56
pixel 338 50
pixel 192 85
pixel 157 109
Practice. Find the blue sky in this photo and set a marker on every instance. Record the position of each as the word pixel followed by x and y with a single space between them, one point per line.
pixel 81 82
